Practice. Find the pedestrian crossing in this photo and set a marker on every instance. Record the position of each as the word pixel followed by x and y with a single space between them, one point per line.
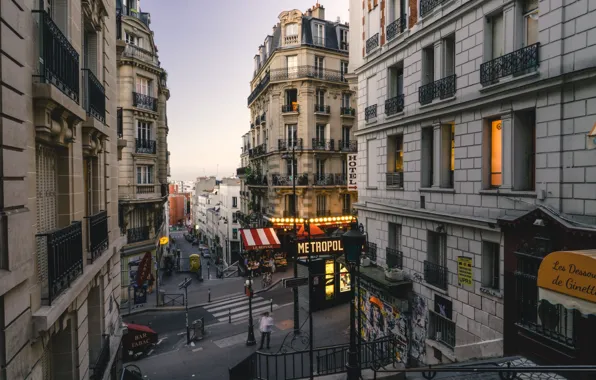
pixel 237 307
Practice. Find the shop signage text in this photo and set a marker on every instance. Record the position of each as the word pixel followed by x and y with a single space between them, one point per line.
pixel 352 170
pixel 321 247
pixel 140 340
pixel 570 273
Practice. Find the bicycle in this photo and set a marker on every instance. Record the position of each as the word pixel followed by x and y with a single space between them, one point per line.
pixel 266 281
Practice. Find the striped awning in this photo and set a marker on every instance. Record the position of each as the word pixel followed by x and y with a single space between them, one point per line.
pixel 259 238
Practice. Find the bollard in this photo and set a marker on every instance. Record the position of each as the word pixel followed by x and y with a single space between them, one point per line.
pixel 230 315
pixel 209 294
pixel 272 305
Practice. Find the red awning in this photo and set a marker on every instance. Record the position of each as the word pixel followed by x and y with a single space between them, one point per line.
pixel 135 327
pixel 138 338
pixel 314 231
pixel 259 238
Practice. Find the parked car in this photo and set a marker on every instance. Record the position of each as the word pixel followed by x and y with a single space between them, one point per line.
pixel 205 253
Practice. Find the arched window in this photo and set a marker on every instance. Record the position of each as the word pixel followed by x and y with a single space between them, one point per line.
pixel 291 30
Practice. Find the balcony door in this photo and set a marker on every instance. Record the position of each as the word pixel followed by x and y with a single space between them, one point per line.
pixel 320 169
pixel 292 135
pixel 292 65
pixel 345 136
pixel 291 167
pixel 320 133
pixel 321 205
pixel 144 86
pixel 319 66
pixel 143 131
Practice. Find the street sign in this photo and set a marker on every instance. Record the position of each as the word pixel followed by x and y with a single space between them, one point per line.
pixel 295 282
pixel 164 240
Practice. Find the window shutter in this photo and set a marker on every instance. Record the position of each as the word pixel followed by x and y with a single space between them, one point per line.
pixel 45 164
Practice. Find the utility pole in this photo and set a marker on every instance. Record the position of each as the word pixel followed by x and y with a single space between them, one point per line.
pixel 250 340
pixel 184 285
pixel 295 242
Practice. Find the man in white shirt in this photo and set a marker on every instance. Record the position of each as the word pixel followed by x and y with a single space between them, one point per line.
pixel 265 327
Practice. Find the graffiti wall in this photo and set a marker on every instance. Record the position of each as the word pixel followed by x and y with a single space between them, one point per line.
pixel 419 326
pixel 383 315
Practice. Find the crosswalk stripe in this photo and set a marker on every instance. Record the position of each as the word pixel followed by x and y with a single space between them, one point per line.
pixel 231 304
pixel 236 317
pixel 241 308
pixel 225 302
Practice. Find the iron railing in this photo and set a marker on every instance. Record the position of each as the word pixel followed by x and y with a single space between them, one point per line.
pixel 324 180
pixel 63 253
pixel 394 105
pixel 94 96
pixel 371 251
pixel 306 71
pixel 442 89
pixel 344 45
pixel 146 146
pixel 101 363
pixel 370 112
pixel 165 190
pixel 98 234
pixel 158 221
pixel 347 111
pixel 58 59
pixel 323 144
pixel 396 27
pixel 428 5
pixel 120 123
pixel 256 180
pixel 144 101
pixel 258 120
pixel 263 118
pixel 258 150
pixel 318 41
pixel 259 87
pixel 287 180
pixel 290 108
pixel 144 17
pixel 288 144
pixel 137 234
pixel 321 212
pixel 145 189
pixel 395 258
pixel 348 145
pixel 321 108
pixel 441 329
pixel 518 62
pixel 394 179
pixel 435 274
pixel 372 43
pixel 240 171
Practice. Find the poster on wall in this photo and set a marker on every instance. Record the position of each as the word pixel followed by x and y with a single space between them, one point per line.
pixel 443 307
pixel 352 170
pixel 344 279
pixel 140 295
pixel 329 279
pixel 464 270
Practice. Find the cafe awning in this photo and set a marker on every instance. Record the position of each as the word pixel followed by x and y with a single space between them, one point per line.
pixel 568 278
pixel 259 238
pixel 138 337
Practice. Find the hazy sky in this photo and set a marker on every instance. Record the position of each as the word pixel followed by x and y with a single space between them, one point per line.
pixel 207 48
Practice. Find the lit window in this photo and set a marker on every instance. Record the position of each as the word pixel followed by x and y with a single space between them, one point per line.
pixel 530 22
pixel 496 154
pixel 452 164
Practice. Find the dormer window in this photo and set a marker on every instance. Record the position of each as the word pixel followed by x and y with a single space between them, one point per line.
pixel 131 39
pixel 291 36
pixel 343 39
pixel 319 34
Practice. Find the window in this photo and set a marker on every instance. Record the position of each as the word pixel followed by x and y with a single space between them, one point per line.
pixel 143 130
pixel 396 80
pixel 345 134
pixel 234 202
pixel 345 100
pixel 292 135
pixel 291 30
pixel 321 203
pixel 346 204
pixel 144 175
pixel 320 168
pixel 497 39
pixel 435 266
pixel 491 268
pixel 530 9
pixel 448 56
pixel 320 132
pixel 319 34
pixel 90 48
pixel 343 67
pixel 427 161
pixel 319 66
pixel 496 153
pixel 344 39
pixel 371 91
pixel 372 148
pixel 428 65
pixel 292 99
pixel 524 151
pixel 132 39
pixel 394 236
pixel 447 160
pixel 395 161
pixel 58 11
pixel 291 167
pixel 292 65
pixel 320 97
pixel 144 86
pixel 290 204
pixel 234 218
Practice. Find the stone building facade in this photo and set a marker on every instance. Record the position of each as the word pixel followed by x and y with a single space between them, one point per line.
pixel 142 139
pixel 59 261
pixel 302 114
pixel 469 112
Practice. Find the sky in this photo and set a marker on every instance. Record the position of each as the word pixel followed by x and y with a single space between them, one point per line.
pixel 207 48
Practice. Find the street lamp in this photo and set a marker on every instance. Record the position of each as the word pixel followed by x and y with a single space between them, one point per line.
pixel 250 341
pixel 352 242
pixel 295 237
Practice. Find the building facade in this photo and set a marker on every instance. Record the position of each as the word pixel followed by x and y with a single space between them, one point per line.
pixel 202 185
pixel 472 114
pixel 59 262
pixel 302 117
pixel 142 139
pixel 229 228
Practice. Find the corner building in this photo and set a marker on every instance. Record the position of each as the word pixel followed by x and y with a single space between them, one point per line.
pixel 475 163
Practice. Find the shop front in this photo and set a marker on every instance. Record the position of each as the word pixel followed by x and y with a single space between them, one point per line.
pixel 262 252
pixel 550 282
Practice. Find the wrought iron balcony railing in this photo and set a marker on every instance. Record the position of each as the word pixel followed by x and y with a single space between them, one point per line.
pixel 145 189
pixel 394 105
pixel 257 151
pixel 159 218
pixel 60 259
pixel 143 101
pixel 435 274
pixel 259 88
pixel 263 118
pixel 372 43
pixel 370 112
pixel 347 111
pixel 287 180
pixel 318 41
pixel 165 190
pixel 288 213
pixel 58 59
pixel 442 89
pixel 258 120
pixel 344 46
pixel 137 234
pixel 321 108
pixel 98 235
pixel 348 211
pixel 145 146
pixel 323 144
pixel 120 123
pixel 286 108
pixel 394 258
pixel 103 359
pixel 428 5
pixel 94 96
pixel 256 180
pixel 394 179
pixel 306 71
pixel 144 17
pixel 396 28
pixel 521 61
pixel 289 144
pixel 348 145
pixel 441 329
pixel 324 179
pixel 133 51
pixel 323 212
pixel 371 251
pixel 241 171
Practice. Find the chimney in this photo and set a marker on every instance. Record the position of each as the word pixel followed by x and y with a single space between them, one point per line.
pixel 318 11
pixel 308 12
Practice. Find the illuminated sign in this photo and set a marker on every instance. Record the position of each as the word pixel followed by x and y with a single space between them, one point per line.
pixel 352 170
pixel 569 272
pixel 320 247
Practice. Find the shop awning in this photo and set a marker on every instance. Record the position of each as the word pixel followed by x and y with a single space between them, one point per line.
pixel 259 238
pixel 568 278
pixel 138 337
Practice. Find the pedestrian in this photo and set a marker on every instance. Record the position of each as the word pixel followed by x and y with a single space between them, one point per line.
pixel 265 327
pixel 150 282
pixel 272 265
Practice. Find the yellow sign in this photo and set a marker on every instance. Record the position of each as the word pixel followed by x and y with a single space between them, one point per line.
pixel 465 275
pixel 570 272
pixel 321 247
pixel 195 262
pixel 164 240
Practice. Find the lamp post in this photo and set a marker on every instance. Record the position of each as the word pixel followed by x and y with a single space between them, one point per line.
pixel 250 341
pixel 294 242
pixel 352 242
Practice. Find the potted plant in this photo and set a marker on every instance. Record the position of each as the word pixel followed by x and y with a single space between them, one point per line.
pixel 394 274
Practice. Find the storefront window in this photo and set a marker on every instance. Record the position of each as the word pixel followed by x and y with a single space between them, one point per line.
pixel 344 279
pixel 329 279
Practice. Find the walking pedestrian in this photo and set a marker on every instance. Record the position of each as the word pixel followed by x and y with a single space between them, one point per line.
pixel 265 327
pixel 272 265
pixel 150 282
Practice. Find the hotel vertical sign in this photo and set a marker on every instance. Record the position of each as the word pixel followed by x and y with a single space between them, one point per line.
pixel 352 170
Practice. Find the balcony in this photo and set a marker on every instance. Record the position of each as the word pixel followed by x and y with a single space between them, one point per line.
pixel 290 108
pixel 371 251
pixel 348 211
pixel 441 329
pixel 257 151
pixel 308 72
pixel 519 62
pixel 241 171
pixel 442 89
pixel 394 180
pixel 372 43
pixel 165 190
pixel 256 180
pixel 258 120
pixel 370 112
pixel 321 213
pixel 289 144
pixel 345 46
pixel 158 222
pixel 426 6
pixel 145 146
pixel 133 51
pixel 60 259
pixel 394 258
pixel 98 235
pixel 145 102
pixel 323 144
pixel 263 118
pixel 435 274
pixel 94 96
pixel 137 234
pixel 289 213
pixel 120 124
pixel 143 17
pixel 287 180
pixel 263 83
pixel 145 189
pixel 58 59
pixel 291 40
pixel 347 112
pixel 101 363
pixel 322 109
pixel 330 179
pixel 394 105
pixel 348 145
pixel 396 28
pixel 318 41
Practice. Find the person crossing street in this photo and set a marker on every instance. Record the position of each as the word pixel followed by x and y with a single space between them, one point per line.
pixel 265 327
